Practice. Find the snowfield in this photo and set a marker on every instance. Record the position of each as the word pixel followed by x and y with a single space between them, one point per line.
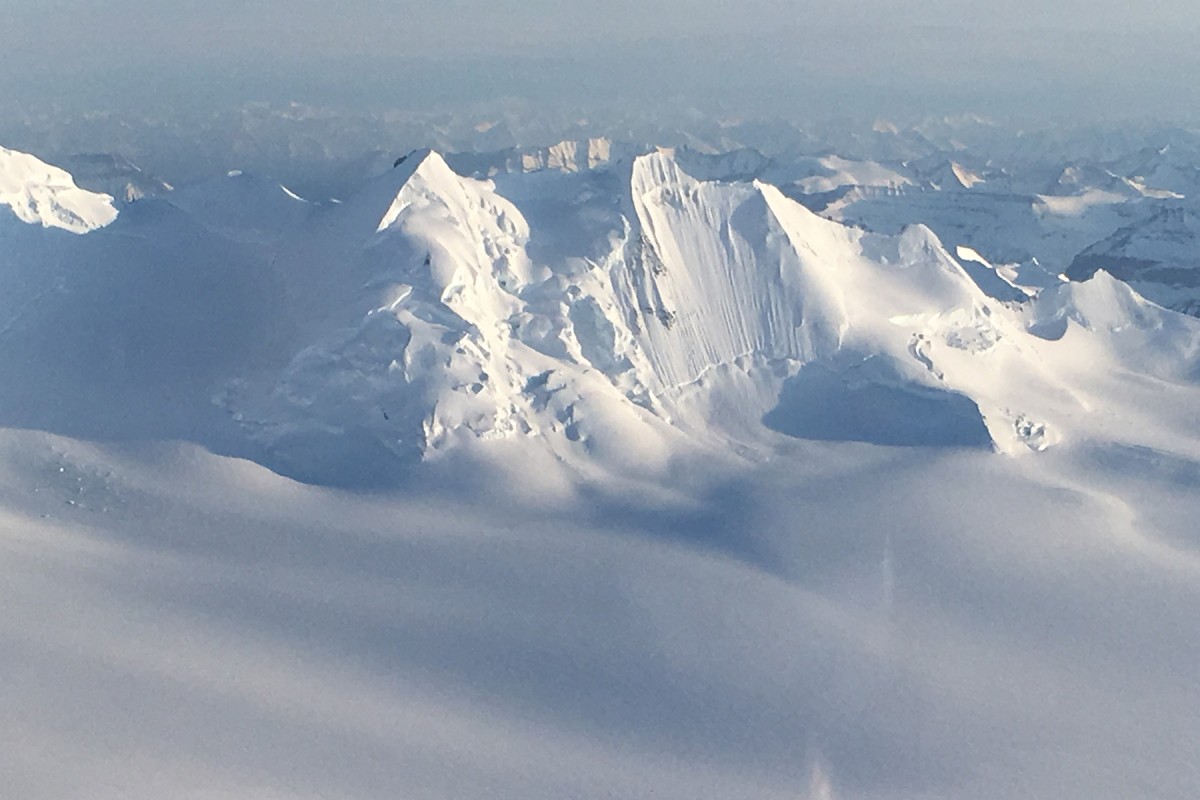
pixel 595 471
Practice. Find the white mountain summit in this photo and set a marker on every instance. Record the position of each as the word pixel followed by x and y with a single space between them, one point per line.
pixel 42 194
pixel 606 315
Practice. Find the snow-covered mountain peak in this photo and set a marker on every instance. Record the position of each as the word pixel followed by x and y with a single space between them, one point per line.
pixel 1157 256
pixel 420 172
pixel 39 193
pixel 570 156
pixel 463 222
pixel 604 314
pixel 708 308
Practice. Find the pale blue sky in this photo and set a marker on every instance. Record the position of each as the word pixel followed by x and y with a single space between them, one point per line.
pixel 383 26
pixel 1061 54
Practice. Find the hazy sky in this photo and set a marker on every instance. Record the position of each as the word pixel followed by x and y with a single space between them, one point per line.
pixel 1067 54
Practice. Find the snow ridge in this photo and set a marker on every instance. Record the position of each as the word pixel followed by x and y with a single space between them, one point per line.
pixel 40 194
pixel 711 308
pixel 611 317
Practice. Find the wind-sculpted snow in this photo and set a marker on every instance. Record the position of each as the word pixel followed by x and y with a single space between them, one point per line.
pixel 1105 313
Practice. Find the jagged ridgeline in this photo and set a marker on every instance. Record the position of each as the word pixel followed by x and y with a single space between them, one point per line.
pixel 605 305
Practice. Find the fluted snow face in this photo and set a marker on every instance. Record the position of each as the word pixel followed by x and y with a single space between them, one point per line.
pixel 715 278
pixel 734 289
pixel 674 306
pixel 40 194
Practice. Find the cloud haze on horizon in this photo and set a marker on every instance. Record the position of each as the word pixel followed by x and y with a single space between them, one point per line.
pixel 1072 58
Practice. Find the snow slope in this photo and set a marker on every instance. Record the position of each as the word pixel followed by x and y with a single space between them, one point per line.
pixel 40 194
pixel 1157 256
pixel 844 622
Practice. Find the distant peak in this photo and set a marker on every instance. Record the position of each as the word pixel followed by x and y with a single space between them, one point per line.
pixel 39 193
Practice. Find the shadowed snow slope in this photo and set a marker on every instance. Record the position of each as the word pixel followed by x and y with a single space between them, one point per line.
pixel 886 623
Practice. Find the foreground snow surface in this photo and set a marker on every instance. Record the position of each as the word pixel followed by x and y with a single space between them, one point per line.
pixel 847 621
